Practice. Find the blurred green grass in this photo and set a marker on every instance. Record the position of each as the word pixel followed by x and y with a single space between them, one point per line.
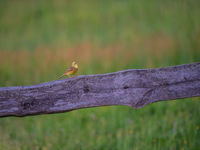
pixel 38 39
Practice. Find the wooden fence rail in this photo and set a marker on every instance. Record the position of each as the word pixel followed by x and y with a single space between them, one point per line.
pixel 134 87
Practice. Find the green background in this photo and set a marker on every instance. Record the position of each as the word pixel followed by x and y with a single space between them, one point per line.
pixel 40 39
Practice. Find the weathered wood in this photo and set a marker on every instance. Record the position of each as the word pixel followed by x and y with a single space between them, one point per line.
pixel 135 88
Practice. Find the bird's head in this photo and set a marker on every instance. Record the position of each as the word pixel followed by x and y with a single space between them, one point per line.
pixel 75 65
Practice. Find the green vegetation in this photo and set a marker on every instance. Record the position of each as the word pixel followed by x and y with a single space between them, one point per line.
pixel 39 39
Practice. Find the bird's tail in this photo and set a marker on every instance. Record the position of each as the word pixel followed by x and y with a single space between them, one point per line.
pixel 60 76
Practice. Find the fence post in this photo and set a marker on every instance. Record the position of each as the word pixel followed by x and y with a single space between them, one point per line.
pixel 134 87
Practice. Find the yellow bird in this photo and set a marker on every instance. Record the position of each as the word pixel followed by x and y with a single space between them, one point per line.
pixel 72 70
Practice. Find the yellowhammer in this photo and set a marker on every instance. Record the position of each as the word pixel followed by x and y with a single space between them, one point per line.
pixel 72 70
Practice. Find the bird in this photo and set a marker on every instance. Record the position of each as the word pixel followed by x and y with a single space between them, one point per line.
pixel 72 70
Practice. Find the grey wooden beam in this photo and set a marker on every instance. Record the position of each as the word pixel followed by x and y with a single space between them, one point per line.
pixel 134 87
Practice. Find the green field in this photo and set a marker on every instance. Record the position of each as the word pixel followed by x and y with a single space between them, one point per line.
pixel 40 39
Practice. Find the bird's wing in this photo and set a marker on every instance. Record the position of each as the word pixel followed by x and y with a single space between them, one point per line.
pixel 70 69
